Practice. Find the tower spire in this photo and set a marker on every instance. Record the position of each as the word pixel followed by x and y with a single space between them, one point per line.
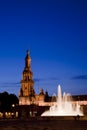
pixel 28 52
pixel 27 92
pixel 27 60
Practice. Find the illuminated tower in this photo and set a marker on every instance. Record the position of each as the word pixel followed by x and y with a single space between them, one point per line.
pixel 27 94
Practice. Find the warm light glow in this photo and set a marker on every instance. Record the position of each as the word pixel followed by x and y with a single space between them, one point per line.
pixel 13 105
pixel 1 114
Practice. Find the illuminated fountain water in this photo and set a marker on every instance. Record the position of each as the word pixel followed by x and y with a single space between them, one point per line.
pixel 64 106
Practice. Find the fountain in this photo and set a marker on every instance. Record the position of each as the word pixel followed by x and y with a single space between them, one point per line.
pixel 64 106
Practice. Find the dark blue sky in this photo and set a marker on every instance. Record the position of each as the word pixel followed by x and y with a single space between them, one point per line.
pixel 55 31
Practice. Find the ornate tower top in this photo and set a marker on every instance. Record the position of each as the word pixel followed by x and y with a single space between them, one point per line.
pixel 27 60
pixel 28 52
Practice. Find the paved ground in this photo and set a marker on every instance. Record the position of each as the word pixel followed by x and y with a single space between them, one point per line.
pixel 43 125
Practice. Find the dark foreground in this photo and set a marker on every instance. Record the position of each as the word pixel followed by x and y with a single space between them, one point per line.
pixel 43 124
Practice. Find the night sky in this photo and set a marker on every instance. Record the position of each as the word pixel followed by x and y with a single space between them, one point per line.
pixel 55 32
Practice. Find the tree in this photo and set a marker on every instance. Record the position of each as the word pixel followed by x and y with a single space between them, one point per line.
pixel 6 101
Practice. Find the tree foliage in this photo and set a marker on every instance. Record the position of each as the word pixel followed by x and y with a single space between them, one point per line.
pixel 7 100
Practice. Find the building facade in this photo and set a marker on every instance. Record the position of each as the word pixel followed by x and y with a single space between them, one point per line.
pixel 32 104
pixel 27 95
